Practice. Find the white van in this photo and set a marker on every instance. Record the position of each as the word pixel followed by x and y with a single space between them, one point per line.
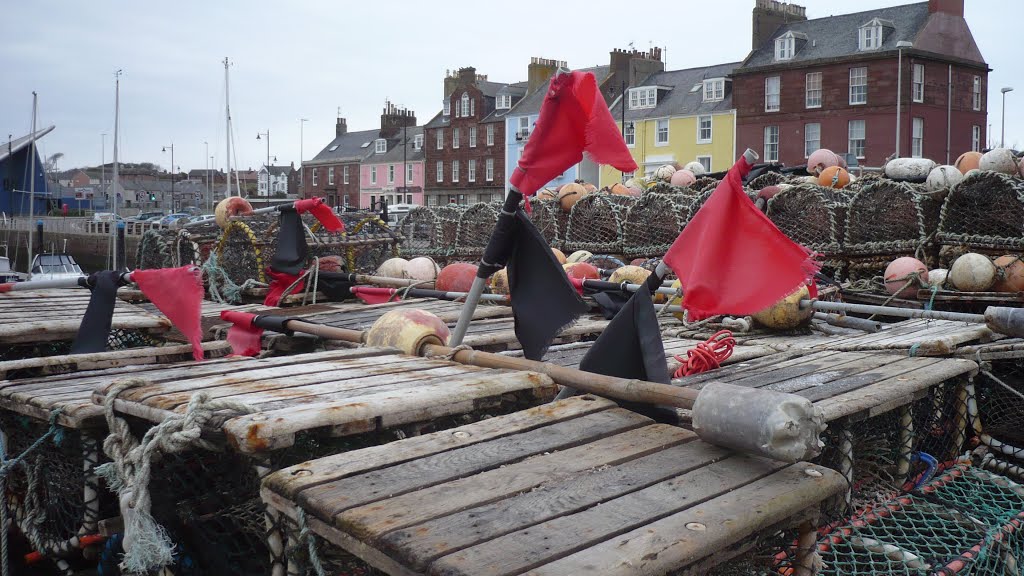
pixel 398 211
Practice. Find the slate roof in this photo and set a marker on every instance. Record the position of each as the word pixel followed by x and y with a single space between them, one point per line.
pixel 532 103
pixel 681 99
pixel 395 148
pixel 349 147
pixel 281 170
pixel 7 148
pixel 837 36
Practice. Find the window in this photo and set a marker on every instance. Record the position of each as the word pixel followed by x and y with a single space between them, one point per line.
pixel 440 139
pixel 408 198
pixel 314 176
pixel 856 144
pixel 447 107
pixel 976 139
pixel 489 169
pixel 504 101
pixel 705 161
pixel 917 138
pixel 643 98
pixel 813 89
pixel 455 170
pixel 373 201
pixel 630 134
pixel 771 143
pixel 703 129
pixel 858 85
pixel 918 85
pixel 524 128
pixel 465 104
pixel 391 173
pixel 785 47
pixel 771 94
pixel 408 174
pixel 471 170
pixel 812 138
pixel 455 137
pixel 976 93
pixel 714 89
pixel 472 136
pixel 661 132
pixel 344 174
pixel 871 36
pixel 440 171
pixel 417 142
pixel 472 107
pixel 381 146
pixel 330 176
pixel 490 134
pixel 373 174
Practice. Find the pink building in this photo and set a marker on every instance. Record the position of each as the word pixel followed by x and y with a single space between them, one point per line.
pixel 394 170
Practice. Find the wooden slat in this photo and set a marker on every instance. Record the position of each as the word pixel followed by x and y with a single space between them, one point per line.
pixel 669 544
pixel 895 368
pixel 45 331
pixel 51 365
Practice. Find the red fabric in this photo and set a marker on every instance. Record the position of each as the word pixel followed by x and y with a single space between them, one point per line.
pixel 731 259
pixel 245 339
pixel 6 287
pixel 374 294
pixel 708 355
pixel 321 212
pixel 178 293
pixel 279 281
pixel 573 119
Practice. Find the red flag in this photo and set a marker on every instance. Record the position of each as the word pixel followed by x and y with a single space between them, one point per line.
pixel 178 293
pixel 731 259
pixel 573 119
pixel 321 212
pixel 279 282
pixel 373 294
pixel 244 336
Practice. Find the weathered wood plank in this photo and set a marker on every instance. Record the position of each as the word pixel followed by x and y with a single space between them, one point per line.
pixel 45 331
pixel 51 365
pixel 895 368
pixel 669 544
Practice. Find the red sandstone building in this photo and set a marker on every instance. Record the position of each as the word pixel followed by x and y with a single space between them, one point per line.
pixel 832 83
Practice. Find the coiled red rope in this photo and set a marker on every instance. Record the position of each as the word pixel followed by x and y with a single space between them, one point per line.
pixel 708 355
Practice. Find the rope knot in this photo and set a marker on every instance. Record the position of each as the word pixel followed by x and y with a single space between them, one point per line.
pixel 449 355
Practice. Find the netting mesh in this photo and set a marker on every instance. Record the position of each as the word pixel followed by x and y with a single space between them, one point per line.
pixel 767 179
pixel 474 230
pixel 653 223
pixel 596 223
pixel 548 218
pixel 886 220
pixel 983 213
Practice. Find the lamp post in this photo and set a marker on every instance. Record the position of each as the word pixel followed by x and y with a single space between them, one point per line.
pixel 302 142
pixel 173 199
pixel 1002 137
pixel 267 134
pixel 208 191
pixel 899 89
pixel 103 160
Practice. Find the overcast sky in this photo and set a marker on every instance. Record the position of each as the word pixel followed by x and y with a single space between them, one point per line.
pixel 305 59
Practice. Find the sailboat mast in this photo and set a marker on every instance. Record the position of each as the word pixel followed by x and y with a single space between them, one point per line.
pixel 227 126
pixel 32 179
pixel 116 184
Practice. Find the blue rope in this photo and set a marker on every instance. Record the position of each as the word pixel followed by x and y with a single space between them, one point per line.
pixel 55 432
pixel 931 300
pixel 931 464
pixel 913 349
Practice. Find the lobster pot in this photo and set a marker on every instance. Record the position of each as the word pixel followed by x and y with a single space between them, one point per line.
pixel 596 224
pixel 366 243
pixel 418 228
pixel 474 230
pixel 155 249
pixel 446 231
pixel 653 223
pixel 813 216
pixel 659 187
pixel 1000 412
pixel 546 216
pixel 983 213
pixel 246 247
pixel 705 183
pixel 767 179
pixel 885 220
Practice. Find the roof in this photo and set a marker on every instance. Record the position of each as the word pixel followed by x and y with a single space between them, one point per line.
pixel 837 36
pixel 531 104
pixel 681 99
pixel 490 89
pixel 280 170
pixel 18 143
pixel 347 147
pixel 399 150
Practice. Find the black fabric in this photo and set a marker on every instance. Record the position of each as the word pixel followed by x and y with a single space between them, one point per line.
pixel 273 323
pixel 337 286
pixel 94 330
pixel 609 302
pixel 502 241
pixel 290 256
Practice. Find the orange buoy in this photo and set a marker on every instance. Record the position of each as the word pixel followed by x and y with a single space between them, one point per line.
pixel 499 282
pixel 409 330
pixel 683 178
pixel 821 159
pixel 581 271
pixel 629 274
pixel 619 189
pixel 967 161
pixel 231 206
pixel 1009 275
pixel 903 276
pixel 457 277
pixel 834 177
pixel 569 195
pixel 559 255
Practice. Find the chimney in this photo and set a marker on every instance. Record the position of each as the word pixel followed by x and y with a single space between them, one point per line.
pixel 633 66
pixel 341 128
pixel 467 76
pixel 540 71
pixel 451 80
pixel 393 119
pixel 953 7
pixel 770 15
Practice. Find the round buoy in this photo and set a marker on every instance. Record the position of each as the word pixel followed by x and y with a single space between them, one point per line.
pixel 330 264
pixel 910 169
pixel 581 271
pixel 943 177
pixel 664 173
pixel 578 256
pixel 632 183
pixel 546 194
pixel 683 178
pixel 821 159
pixel 393 268
pixel 834 177
pixel 231 206
pixel 422 268
pixel 676 300
pixel 559 255
pixel 499 282
pixel 457 277
pixel 786 314
pixel 629 274
pixel 619 189
pixel 569 195
pixel 999 160
pixel 967 161
pixel 903 276
pixel 408 330
pixel 1009 275
pixel 589 188
pixel 695 168
pixel 637 261
pixel 972 272
pixel 937 278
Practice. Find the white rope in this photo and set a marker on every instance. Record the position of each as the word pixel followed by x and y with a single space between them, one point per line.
pixel 147 544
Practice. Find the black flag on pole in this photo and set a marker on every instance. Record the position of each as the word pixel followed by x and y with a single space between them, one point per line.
pixel 94 330
pixel 290 257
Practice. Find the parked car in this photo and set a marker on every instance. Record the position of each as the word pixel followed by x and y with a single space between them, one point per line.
pixel 171 219
pixel 146 216
pixel 201 218
pixel 106 217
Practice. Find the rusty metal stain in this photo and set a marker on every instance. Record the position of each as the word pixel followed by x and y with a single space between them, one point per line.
pixel 253 439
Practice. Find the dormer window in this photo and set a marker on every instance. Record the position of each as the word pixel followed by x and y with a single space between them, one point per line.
pixel 380 146
pixel 447 108
pixel 644 97
pixel 417 142
pixel 504 101
pixel 465 104
pixel 871 34
pixel 714 89
pixel 785 47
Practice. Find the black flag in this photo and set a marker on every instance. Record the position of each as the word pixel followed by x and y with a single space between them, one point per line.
pixel 94 330
pixel 290 257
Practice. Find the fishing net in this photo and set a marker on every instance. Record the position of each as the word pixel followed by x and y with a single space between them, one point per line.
pixel 596 223
pixel 366 243
pixel 548 218
pixel 885 220
pixel 983 213
pixel 815 217
pixel 155 250
pixel 474 230
pixel 999 413
pixel 418 230
pixel 653 223
pixel 705 183
pixel 767 179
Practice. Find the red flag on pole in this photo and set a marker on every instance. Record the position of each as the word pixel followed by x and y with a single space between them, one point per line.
pixel 731 259
pixel 321 212
pixel 178 293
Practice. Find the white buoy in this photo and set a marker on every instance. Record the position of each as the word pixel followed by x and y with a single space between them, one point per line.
pixel 972 272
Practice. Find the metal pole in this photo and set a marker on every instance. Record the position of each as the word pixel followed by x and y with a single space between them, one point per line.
pixel 1002 135
pixel 227 128
pixel 103 159
pixel 949 110
pixel 117 121
pixel 892 311
pixel 208 191
pixel 899 97
pixel 622 105
pixel 32 178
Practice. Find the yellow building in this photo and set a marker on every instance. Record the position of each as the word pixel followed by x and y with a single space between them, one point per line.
pixel 679 116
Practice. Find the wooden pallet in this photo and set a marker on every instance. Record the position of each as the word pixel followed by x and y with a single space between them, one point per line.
pixel 337 393
pixel 579 486
pixel 32 316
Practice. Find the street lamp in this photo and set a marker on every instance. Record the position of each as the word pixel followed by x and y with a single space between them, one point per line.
pixel 173 199
pixel 267 134
pixel 1002 137
pixel 302 141
pixel 209 192
pixel 899 88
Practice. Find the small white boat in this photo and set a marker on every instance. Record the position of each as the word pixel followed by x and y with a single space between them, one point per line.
pixel 54 267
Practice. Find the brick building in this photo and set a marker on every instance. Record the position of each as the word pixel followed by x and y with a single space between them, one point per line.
pixel 832 83
pixel 334 172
